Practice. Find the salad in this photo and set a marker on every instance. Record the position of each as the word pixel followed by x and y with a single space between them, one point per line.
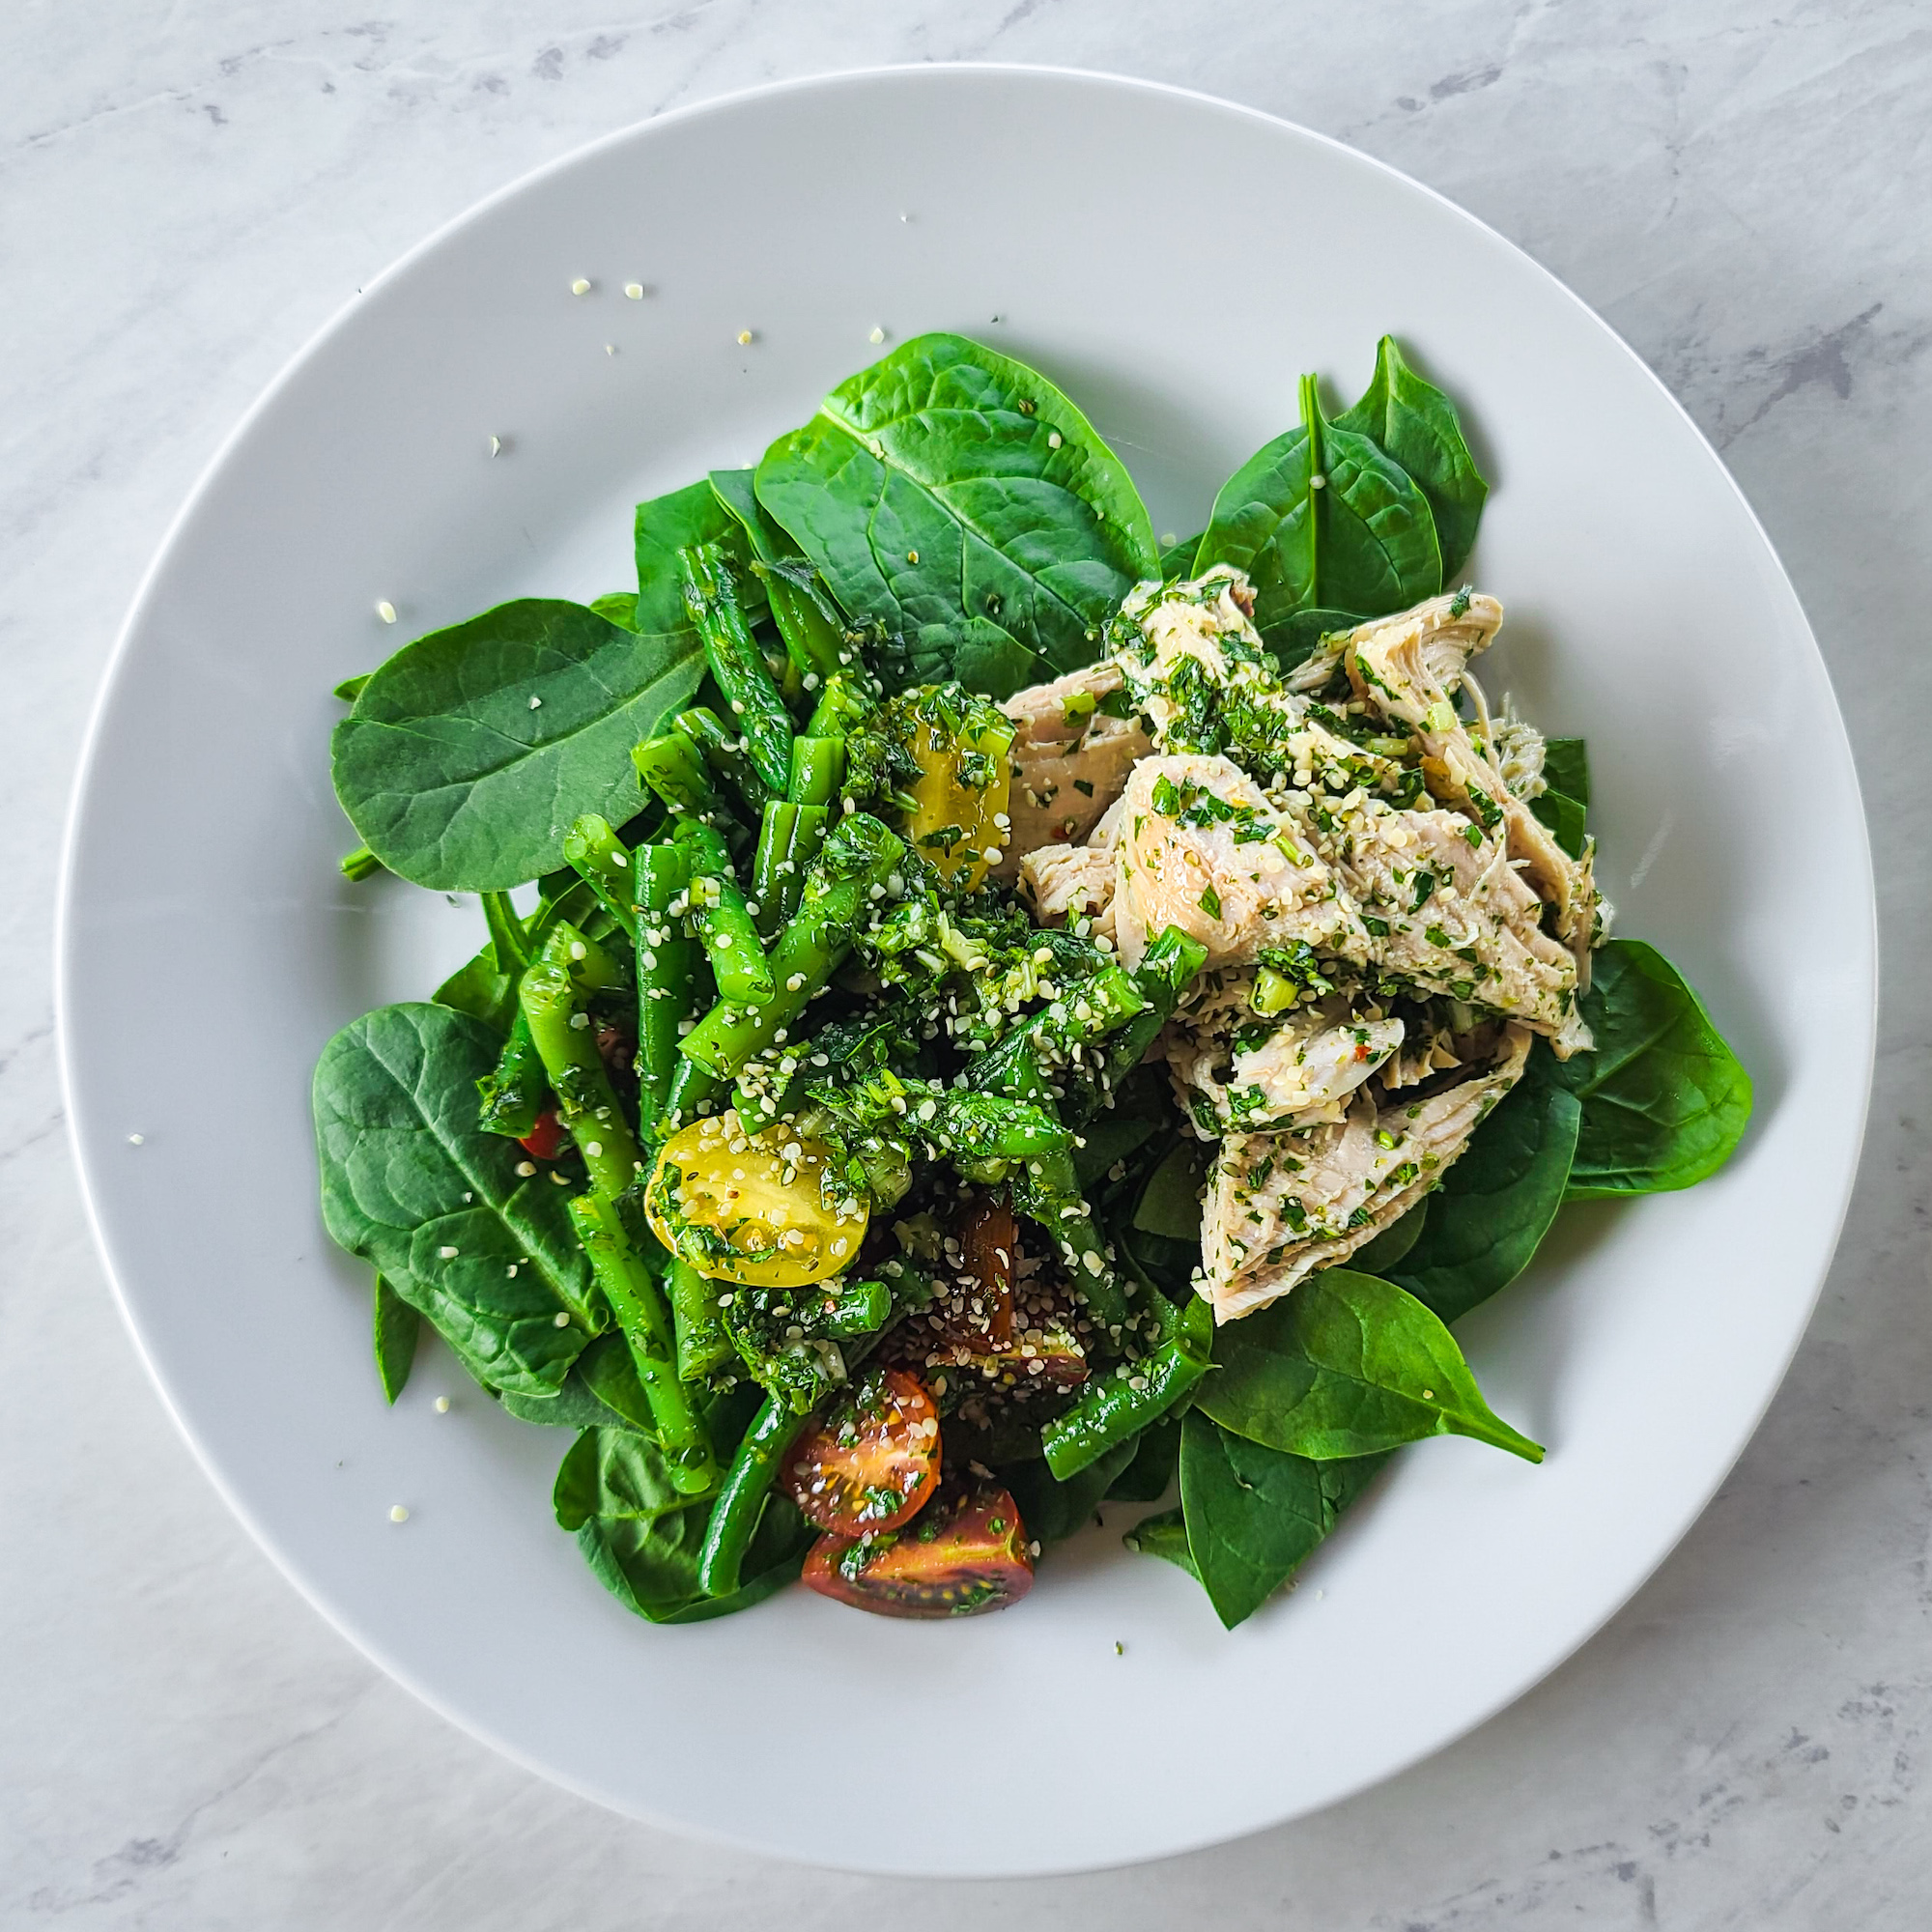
pixel 982 1013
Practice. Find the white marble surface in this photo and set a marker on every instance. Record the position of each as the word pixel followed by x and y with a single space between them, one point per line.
pixel 186 190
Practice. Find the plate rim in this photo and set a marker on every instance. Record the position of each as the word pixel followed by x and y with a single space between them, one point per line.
pixel 92 1185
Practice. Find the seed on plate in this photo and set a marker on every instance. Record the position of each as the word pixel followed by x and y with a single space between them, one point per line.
pixel 877 335
pixel 495 446
pixel 1318 481
pixel 442 1405
pixel 744 338
pixel 634 290
pixel 386 611
pixel 138 1140
pixel 398 1514
pixel 1054 438
pixel 580 287
pixel 449 1254
pixel 536 703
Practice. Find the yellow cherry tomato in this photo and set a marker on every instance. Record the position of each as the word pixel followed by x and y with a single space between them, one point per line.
pixel 960 796
pixel 751 1208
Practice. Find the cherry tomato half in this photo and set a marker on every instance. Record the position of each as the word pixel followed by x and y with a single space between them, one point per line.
pixel 989 1240
pixel 546 1139
pixel 964 1554
pixel 872 1463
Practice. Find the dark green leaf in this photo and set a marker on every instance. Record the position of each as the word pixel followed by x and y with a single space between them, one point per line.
pixel 1494 1206
pixel 619 606
pixel 1163 1535
pixel 407 1171
pixel 1665 1099
pixel 1176 559
pixel 1053 1510
pixel 1113 1137
pixel 455 782
pixel 1346 1365
pixel 959 499
pixel 599 1392
pixel 674 521
pixel 1170 1204
pixel 397 1327
pixel 1381 1255
pixel 1414 424
pixel 1156 1457
pixel 642 1539
pixel 479 989
pixel 1254 1515
pixel 1361 539
pixel 351 688
pixel 1566 768
pixel 1565 817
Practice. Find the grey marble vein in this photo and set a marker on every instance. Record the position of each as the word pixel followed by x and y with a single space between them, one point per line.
pixel 187 191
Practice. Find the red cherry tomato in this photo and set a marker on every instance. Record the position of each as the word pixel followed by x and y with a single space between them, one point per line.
pixel 964 1554
pixel 546 1139
pixel 873 1461
pixel 989 1245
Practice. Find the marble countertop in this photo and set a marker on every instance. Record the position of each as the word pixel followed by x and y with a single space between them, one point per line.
pixel 188 191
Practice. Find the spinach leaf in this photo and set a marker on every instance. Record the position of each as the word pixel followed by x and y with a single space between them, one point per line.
pixel 477 988
pixel 1665 1099
pixel 957 498
pixel 397 1329
pixel 1566 768
pixel 413 1184
pixel 1321 521
pixel 1253 1515
pixel 452 779
pixel 1176 559
pixel 1494 1206
pixel 1170 1204
pixel 1163 1534
pixel 642 1537
pixel 1565 817
pixel 1344 1366
pixel 601 1392
pixel 1053 1510
pixel 1414 424
pixel 1156 1457
pixel 1382 1255
pixel 619 606
pixel 674 521
pixel 1113 1137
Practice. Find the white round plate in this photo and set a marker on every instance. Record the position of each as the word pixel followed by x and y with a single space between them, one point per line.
pixel 1173 263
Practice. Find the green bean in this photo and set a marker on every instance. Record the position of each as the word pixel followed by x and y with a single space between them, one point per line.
pixel 817 765
pixel 1109 1408
pixel 842 707
pixel 741 1496
pixel 732 942
pixel 808 619
pixel 726 755
pixel 691 1087
pixel 711 596
pixel 669 970
pixel 550 995
pixel 789 840
pixel 860 855
pixel 859 1308
pixel 673 768
pixel 600 856
pixel 703 1348
pixel 1111 997
pixel 1166 971
pixel 512 1096
pixel 637 1303
pixel 359 863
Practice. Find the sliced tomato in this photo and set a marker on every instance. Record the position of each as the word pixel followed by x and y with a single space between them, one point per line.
pixel 546 1138
pixel 989 1245
pixel 873 1461
pixel 964 1554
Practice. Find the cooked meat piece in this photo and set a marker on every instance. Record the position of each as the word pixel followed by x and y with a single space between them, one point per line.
pixel 1282 1205
pixel 1235 1074
pixel 1199 847
pixel 1407 666
pixel 1071 760
pixel 1067 882
pixel 1447 911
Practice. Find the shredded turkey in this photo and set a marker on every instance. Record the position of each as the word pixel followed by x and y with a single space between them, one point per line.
pixel 1071 760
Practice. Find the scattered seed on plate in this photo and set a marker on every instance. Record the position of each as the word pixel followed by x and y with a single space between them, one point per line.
pixel 536 703
pixel 744 338
pixel 580 287
pixel 1053 439
pixel 138 1140
pixel 449 1254
pixel 442 1405
pixel 634 290
pixel 877 335
pixel 398 1514
pixel 495 446
pixel 386 611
